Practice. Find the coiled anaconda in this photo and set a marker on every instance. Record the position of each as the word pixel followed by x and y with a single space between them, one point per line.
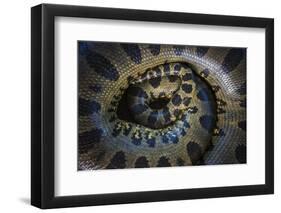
pixel 143 105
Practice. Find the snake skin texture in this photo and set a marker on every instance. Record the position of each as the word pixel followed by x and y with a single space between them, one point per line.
pixel 151 105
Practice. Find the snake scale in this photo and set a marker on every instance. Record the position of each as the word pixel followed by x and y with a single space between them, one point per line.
pixel 155 105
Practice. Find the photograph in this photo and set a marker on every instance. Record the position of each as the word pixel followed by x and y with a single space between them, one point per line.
pixel 160 105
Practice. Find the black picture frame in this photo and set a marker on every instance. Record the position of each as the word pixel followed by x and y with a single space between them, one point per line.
pixel 43 111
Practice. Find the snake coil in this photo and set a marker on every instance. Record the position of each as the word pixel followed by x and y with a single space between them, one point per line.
pixel 143 105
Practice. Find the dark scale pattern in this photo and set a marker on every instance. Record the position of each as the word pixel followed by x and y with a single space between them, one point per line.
pixel 193 110
pixel 176 100
pixel 232 59
pixel 173 138
pixel 180 162
pixel 155 82
pixel 90 137
pixel 163 162
pixel 151 142
pixel 243 103
pixel 207 122
pixel 177 112
pixel 178 50
pixel 141 162
pixel 87 107
pixel 242 89
pixel 241 153
pixel 187 77
pixel 177 67
pixel 187 88
pixel 186 101
pixel 136 140
pixel 205 73
pixel 133 51
pixel 118 161
pixel 127 130
pixel 242 125
pixel 194 151
pixel 116 131
pixel 102 66
pixel 166 114
pixel 201 51
pixel 96 88
pixel 154 49
pixel 172 78
pixel 165 139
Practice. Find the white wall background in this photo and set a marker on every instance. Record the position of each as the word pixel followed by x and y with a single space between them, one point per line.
pixel 15 105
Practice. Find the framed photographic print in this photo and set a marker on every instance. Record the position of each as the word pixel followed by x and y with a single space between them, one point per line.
pixel 139 106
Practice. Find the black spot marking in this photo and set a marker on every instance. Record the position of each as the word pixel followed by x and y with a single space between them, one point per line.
pixel 136 138
pixel 116 130
pixel 207 122
pixel 166 114
pixel 180 162
pixel 155 82
pixel 138 108
pixel 102 66
pixel 215 88
pixel 177 112
pixel 127 130
pixel 243 103
pixel 183 132
pixel 242 125
pixel 221 102
pixel 186 101
pixel 163 162
pixel 96 88
pixel 242 89
pixel 152 118
pixel 90 137
pixel 118 161
pixel 241 153
pixel 174 138
pixel 176 100
pixel 87 107
pixel 165 139
pixel 187 77
pixel 177 67
pixel 232 59
pixel 201 51
pixel 204 94
pixel 205 73
pixel 154 49
pixel 141 162
pixel 151 142
pixel 194 151
pixel 172 78
pixel 112 118
pixel 133 51
pixel 187 88
pixel 138 92
pixel 166 68
pixel 220 110
pixel 178 50
pixel 193 110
